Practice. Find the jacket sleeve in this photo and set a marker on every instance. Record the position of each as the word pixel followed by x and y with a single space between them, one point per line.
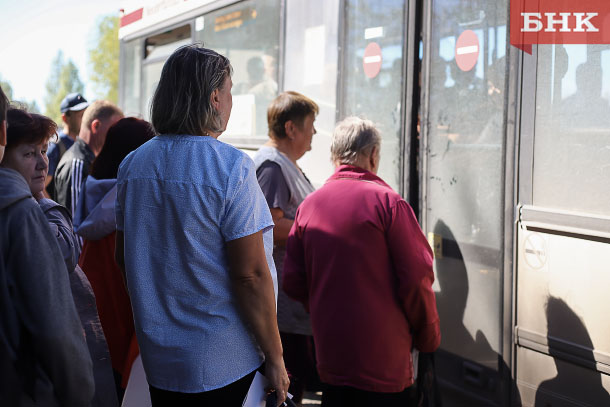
pixel 412 259
pixel 46 308
pixel 294 277
pixel 79 174
pixel 61 226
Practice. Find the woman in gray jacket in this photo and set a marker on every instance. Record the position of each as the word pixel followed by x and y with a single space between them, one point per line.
pixel 28 134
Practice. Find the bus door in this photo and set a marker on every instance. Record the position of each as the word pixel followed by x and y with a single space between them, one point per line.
pixel 563 253
pixel 463 194
pixel 373 78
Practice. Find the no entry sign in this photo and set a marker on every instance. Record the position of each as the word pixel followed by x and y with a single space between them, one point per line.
pixel 372 60
pixel 467 50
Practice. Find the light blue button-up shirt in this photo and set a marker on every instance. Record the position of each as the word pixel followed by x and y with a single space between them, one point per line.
pixel 180 199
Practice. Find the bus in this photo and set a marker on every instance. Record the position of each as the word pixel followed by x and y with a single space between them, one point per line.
pixel 504 156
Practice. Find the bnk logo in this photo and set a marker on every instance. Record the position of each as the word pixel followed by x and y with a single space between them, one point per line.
pixel 532 22
pixel 559 22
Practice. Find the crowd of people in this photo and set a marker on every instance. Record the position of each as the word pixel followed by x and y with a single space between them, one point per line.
pixel 126 241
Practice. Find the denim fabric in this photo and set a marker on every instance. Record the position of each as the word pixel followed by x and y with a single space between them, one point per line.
pixel 180 199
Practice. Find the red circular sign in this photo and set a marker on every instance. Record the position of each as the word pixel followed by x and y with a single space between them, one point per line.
pixel 372 60
pixel 467 50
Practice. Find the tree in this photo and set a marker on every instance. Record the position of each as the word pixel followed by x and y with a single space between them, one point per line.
pixel 104 59
pixel 6 88
pixel 30 106
pixel 63 79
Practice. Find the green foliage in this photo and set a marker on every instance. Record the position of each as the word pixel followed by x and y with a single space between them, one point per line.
pixel 104 59
pixel 6 88
pixel 63 79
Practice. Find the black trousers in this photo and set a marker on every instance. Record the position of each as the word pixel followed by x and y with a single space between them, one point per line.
pixel 345 396
pixel 232 395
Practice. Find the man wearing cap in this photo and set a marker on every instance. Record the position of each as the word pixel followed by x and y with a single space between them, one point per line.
pixel 73 168
pixel 72 108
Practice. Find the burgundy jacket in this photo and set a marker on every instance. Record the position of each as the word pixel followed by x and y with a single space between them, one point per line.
pixel 359 262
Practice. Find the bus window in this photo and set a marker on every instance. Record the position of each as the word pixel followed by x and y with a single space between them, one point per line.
pixel 311 68
pixel 464 176
pixel 130 77
pixel 572 136
pixel 248 34
pixel 157 49
pixel 372 77
pixel 162 45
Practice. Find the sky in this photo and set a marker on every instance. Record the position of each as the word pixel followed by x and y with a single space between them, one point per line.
pixel 31 33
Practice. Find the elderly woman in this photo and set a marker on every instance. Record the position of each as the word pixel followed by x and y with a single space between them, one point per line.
pixel 53 366
pixel 194 235
pixel 358 260
pixel 291 127
pixel 28 138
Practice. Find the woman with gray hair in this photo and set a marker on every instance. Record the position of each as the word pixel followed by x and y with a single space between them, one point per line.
pixel 358 260
pixel 194 238
pixel 356 142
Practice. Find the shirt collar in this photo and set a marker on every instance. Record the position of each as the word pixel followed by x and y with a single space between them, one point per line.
pixel 85 146
pixel 352 172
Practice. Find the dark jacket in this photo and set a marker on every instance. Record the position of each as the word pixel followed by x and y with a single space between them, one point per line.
pixel 71 173
pixel 60 222
pixel 44 359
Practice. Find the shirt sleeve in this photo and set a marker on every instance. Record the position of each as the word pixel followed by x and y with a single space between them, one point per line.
pixel 46 309
pixel 245 210
pixel 294 277
pixel 412 258
pixel 53 155
pixel 274 185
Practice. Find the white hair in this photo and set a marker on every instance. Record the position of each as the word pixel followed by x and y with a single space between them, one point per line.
pixel 353 137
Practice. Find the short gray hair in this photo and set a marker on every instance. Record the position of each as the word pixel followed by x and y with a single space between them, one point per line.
pixel 182 102
pixel 352 137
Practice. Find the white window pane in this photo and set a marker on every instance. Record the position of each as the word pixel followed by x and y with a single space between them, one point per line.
pixel 311 69
pixel 572 139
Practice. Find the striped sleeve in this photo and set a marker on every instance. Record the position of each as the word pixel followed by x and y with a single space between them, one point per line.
pixel 75 183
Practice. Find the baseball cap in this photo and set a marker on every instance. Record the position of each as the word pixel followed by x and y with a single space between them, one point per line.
pixel 75 102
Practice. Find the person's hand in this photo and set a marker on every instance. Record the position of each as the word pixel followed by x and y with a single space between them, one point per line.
pixel 275 371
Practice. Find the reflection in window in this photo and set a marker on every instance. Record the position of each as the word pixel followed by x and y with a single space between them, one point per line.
pixel 376 97
pixel 248 34
pixel 572 140
pixel 464 186
pixel 311 54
